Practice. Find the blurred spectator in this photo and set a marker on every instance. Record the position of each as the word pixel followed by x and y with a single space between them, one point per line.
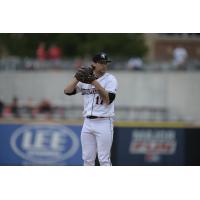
pixel 180 56
pixel 41 52
pixel 7 111
pixel 54 52
pixel 78 63
pixel 29 107
pixel 1 108
pixel 14 107
pixel 45 106
pixel 135 63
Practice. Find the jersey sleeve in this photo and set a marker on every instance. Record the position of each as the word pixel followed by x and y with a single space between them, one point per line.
pixel 112 85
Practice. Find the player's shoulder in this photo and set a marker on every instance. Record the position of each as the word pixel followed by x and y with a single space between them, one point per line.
pixel 111 77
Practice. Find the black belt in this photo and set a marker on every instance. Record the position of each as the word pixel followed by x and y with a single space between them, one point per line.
pixel 93 117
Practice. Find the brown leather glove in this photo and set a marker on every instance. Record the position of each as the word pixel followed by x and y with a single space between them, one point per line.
pixel 85 75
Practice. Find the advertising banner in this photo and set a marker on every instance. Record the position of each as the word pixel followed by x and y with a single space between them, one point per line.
pixel 36 144
pixel 149 146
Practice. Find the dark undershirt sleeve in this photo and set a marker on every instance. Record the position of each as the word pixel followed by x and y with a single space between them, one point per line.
pixel 111 97
pixel 72 93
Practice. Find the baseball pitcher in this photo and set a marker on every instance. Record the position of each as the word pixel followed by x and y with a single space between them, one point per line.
pixel 99 90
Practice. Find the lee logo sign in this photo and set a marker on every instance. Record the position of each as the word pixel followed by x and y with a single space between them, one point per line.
pixel 44 144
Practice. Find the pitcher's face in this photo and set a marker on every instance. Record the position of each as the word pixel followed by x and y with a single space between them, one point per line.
pixel 99 69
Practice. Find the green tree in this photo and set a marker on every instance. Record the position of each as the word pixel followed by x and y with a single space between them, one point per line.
pixel 76 44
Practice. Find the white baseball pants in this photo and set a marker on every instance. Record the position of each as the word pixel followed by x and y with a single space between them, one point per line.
pixel 96 138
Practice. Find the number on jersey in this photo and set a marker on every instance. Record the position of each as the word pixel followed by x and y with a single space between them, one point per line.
pixel 99 100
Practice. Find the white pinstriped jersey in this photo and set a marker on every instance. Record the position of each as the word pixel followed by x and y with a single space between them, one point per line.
pixel 93 103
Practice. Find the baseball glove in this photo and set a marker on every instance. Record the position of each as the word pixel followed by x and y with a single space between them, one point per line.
pixel 85 75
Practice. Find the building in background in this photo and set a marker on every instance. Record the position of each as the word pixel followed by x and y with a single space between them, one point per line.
pixel 162 45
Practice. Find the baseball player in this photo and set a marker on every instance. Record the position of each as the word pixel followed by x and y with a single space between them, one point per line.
pixel 99 90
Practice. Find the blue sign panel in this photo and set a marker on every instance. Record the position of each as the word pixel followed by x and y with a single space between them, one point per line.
pixel 150 146
pixel 40 145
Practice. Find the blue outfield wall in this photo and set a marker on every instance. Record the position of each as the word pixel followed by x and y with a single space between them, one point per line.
pixel 53 144
pixel 149 146
pixel 40 144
